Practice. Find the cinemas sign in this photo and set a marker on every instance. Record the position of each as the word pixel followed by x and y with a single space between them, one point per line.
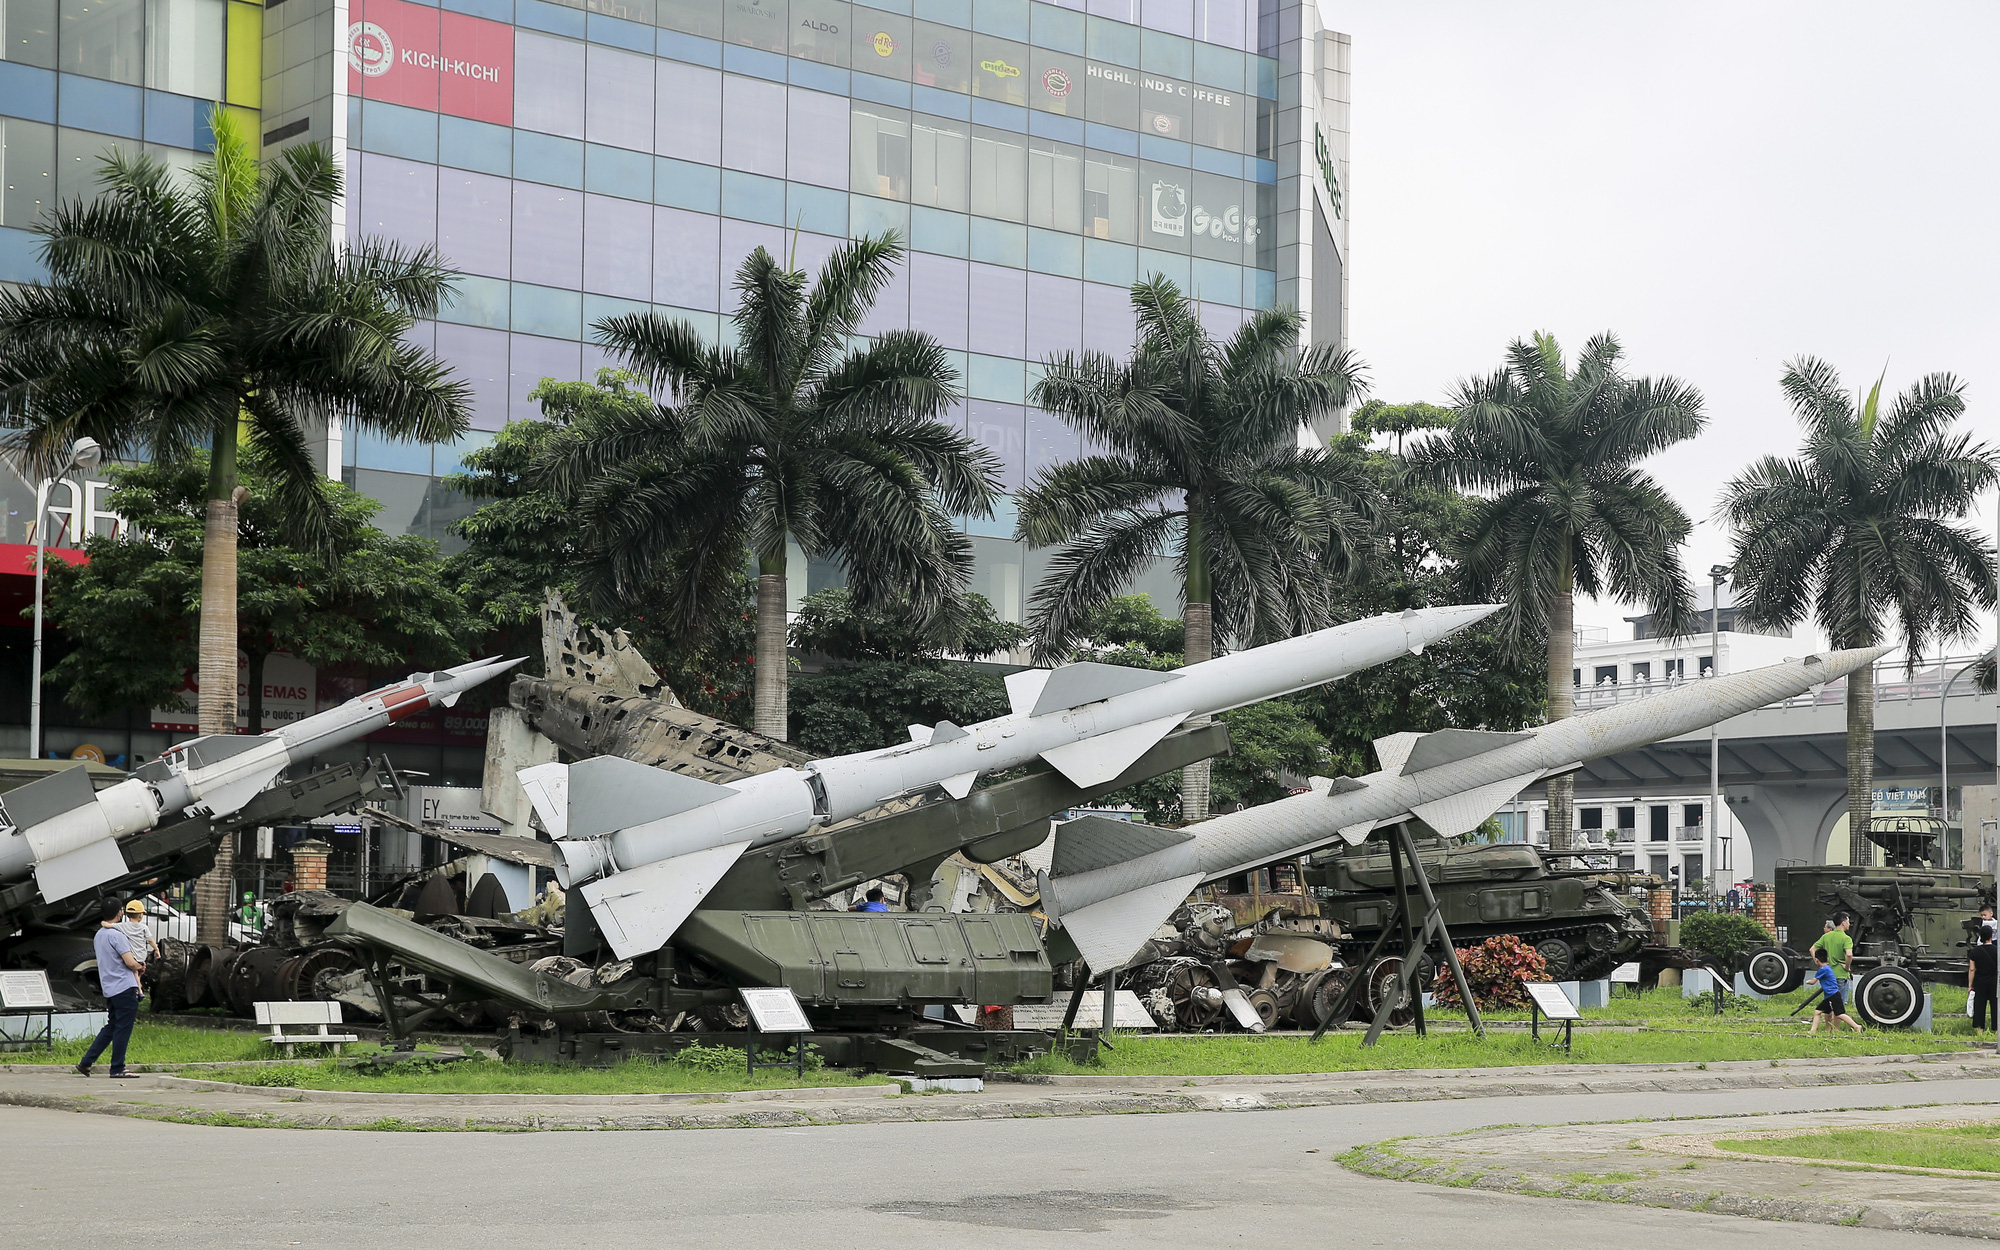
pixel 431 59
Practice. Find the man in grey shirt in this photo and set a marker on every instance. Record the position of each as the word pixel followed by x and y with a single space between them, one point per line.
pixel 118 972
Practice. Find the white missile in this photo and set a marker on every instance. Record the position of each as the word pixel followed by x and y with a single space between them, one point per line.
pixel 66 833
pixel 1111 884
pixel 643 846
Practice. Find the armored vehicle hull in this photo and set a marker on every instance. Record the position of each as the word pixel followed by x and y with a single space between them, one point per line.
pixel 1575 918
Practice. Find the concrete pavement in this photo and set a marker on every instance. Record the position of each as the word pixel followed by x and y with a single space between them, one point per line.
pixel 1200 1179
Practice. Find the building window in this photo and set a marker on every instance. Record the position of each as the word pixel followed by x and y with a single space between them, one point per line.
pixel 1691 868
pixel 28 32
pixel 1673 670
pixel 104 39
pixel 941 153
pixel 1657 823
pixel 1658 866
pixel 880 154
pixel 1606 675
pixel 999 174
pixel 1055 186
pixel 27 171
pixel 1626 863
pixel 1707 665
pixel 1576 677
pixel 556 67
pixel 1691 815
pixel 1642 670
pixel 184 42
pixel 1111 197
pixel 1628 818
pixel 1590 817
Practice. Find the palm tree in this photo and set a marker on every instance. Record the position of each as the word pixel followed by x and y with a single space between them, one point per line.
pixel 1548 452
pixel 1201 462
pixel 1856 529
pixel 792 433
pixel 212 314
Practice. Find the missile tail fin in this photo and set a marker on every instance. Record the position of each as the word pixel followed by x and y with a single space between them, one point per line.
pixel 1094 761
pixel 232 797
pixel 1353 834
pixel 1090 842
pixel 607 794
pixel 1110 933
pixel 638 910
pixel 1466 810
pixel 960 786
pixel 73 873
pixel 1393 749
pixel 547 788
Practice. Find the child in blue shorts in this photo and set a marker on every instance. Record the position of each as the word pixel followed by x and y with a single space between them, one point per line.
pixel 1832 1008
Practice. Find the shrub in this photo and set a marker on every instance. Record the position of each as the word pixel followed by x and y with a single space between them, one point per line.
pixel 1495 970
pixel 1722 936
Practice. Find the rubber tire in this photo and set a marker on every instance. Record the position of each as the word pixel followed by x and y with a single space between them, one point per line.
pixel 1903 993
pixel 1761 963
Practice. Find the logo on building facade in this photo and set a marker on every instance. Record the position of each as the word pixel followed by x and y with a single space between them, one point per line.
pixel 885 43
pixel 1056 83
pixel 1000 69
pixel 1326 170
pixel 369 49
pixel 941 54
pixel 1170 209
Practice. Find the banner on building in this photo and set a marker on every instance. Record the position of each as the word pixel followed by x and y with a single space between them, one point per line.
pixel 432 59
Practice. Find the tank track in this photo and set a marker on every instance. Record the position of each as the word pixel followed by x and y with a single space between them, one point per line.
pixel 1589 967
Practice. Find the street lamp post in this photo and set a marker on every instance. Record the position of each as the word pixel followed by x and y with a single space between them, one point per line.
pixel 84 455
pixel 1944 755
pixel 1717 575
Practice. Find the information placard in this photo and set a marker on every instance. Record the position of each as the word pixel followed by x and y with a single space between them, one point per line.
pixel 1625 974
pixel 776 1010
pixel 25 990
pixel 1550 998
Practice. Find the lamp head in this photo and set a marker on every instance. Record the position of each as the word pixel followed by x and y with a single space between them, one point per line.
pixel 85 454
pixel 1720 572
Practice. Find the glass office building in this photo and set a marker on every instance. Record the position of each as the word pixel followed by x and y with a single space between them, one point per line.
pixel 576 162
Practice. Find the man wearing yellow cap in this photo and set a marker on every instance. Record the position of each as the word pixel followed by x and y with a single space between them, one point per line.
pixel 133 926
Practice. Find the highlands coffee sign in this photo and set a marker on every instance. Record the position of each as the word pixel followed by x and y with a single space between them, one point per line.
pixel 431 59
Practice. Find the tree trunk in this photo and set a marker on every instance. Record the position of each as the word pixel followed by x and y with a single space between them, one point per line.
pixel 1197 645
pixel 772 703
pixel 1562 694
pixel 216 668
pixel 1860 764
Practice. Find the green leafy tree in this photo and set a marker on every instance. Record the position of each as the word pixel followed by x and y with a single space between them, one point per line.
pixel 1202 464
pixel 523 541
pixel 1549 454
pixel 887 671
pixel 795 432
pixel 1858 530
pixel 132 612
pixel 215 314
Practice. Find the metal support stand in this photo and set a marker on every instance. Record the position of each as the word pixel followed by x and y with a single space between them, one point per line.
pixel 30 1036
pixel 1535 1025
pixel 1076 994
pixel 1416 940
pixel 750 1052
pixel 1109 1016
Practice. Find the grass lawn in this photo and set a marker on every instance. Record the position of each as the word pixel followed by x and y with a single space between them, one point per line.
pixel 167 1043
pixel 1267 1056
pixel 634 1076
pixel 1966 1147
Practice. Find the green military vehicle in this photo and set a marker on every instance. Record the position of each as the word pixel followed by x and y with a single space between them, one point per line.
pixel 1578 919
pixel 1911 925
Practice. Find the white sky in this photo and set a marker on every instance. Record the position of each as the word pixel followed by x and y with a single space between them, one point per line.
pixel 1724 185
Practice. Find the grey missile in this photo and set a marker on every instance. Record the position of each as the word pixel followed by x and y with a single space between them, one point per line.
pixel 643 846
pixel 66 833
pixel 1111 883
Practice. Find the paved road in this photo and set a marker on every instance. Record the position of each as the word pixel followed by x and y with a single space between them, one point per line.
pixel 1193 1180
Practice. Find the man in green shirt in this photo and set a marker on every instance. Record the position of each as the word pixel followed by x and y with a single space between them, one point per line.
pixel 1839 948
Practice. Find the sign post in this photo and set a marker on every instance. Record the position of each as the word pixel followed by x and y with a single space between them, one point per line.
pixel 26 994
pixel 775 1010
pixel 1546 998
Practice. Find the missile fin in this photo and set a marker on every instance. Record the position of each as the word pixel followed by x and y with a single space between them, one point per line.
pixel 945 731
pixel 1394 749
pixel 1354 834
pixel 73 873
pixel 920 734
pixel 1024 687
pixel 1448 746
pixel 1110 933
pixel 1464 811
pixel 960 786
pixel 607 794
pixel 639 909
pixel 1074 685
pixel 1098 842
pixel 47 797
pixel 1331 786
pixel 547 788
pixel 1096 760
pixel 225 800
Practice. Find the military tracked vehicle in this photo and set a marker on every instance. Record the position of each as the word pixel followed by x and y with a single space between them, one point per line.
pixel 1577 918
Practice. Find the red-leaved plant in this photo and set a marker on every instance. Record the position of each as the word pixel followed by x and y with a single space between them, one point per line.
pixel 1495 970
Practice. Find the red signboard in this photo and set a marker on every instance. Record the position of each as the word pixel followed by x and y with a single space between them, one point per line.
pixel 431 59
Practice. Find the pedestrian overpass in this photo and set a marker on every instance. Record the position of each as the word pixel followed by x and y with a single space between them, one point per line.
pixel 1784 767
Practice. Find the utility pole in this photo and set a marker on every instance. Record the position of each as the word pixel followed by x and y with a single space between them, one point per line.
pixel 1717 575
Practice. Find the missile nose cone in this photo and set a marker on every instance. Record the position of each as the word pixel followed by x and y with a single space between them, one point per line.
pixel 1834 665
pixel 1428 625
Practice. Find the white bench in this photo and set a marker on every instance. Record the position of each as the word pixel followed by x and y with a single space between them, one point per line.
pixel 276 1016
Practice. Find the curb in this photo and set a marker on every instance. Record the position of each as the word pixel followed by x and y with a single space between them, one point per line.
pixel 286 1093
pixel 1371 1161
pixel 936 1107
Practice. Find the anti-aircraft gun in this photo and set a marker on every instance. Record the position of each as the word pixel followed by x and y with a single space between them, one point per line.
pixel 1911 924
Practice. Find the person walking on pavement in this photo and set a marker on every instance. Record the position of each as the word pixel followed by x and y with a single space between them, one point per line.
pixel 1979 982
pixel 118 972
pixel 1832 1007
